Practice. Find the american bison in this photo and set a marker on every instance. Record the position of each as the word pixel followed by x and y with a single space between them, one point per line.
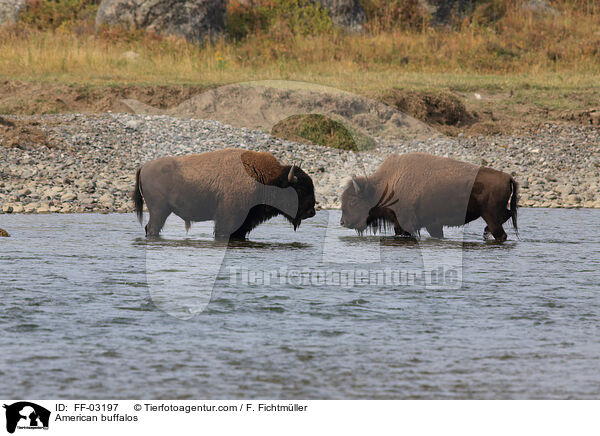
pixel 418 190
pixel 238 189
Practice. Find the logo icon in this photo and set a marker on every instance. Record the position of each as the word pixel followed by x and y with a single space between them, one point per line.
pixel 26 415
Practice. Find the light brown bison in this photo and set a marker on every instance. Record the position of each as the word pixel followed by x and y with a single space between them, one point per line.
pixel 238 189
pixel 418 190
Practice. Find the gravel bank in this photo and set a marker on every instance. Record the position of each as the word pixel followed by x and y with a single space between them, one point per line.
pixel 93 165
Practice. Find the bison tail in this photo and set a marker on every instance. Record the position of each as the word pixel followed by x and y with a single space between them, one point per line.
pixel 138 198
pixel 514 199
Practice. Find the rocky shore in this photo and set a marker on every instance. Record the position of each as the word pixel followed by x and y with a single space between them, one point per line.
pixel 91 160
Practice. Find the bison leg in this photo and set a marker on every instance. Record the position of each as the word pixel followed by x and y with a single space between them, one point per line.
pixel 399 231
pixel 496 230
pixel 506 215
pixel 239 234
pixel 500 234
pixel 229 222
pixel 436 231
pixel 224 228
pixel 156 221
pixel 242 232
pixel 222 233
pixel 256 216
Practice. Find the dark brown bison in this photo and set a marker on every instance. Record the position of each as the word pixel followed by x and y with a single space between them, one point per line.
pixel 418 190
pixel 238 189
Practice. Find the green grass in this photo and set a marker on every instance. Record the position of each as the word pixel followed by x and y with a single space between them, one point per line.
pixel 321 130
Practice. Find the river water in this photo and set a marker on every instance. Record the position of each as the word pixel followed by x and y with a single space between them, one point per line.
pixel 91 309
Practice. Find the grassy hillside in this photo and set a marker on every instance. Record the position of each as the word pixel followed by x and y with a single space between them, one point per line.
pixel 57 40
pixel 546 61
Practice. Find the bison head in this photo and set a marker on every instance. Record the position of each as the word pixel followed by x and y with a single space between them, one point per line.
pixel 364 206
pixel 357 201
pixel 293 176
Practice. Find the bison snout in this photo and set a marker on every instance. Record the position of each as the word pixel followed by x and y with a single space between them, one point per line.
pixel 306 214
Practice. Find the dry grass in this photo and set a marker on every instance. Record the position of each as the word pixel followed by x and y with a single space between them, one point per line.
pixel 552 60
pixel 519 43
pixel 355 62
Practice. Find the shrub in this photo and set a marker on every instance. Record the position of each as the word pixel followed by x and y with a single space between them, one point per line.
pixel 52 14
pixel 321 130
pixel 487 13
pixel 302 17
pixel 385 15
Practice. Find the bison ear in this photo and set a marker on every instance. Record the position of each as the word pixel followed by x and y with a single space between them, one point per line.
pixel 291 177
pixel 356 186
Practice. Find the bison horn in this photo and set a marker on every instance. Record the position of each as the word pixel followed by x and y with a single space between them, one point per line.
pixel 356 187
pixel 291 177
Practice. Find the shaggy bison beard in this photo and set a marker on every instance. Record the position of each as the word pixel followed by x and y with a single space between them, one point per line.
pixel 302 195
pixel 363 210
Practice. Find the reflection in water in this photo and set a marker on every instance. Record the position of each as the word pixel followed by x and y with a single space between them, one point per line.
pixel 184 316
pixel 218 245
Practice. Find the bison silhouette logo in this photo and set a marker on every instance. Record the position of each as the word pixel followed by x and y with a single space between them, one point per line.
pixel 24 414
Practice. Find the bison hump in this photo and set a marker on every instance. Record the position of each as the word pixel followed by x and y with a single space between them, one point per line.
pixel 262 167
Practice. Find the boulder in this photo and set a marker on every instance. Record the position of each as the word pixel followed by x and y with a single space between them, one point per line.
pixel 348 14
pixel 192 19
pixel 443 11
pixel 4 233
pixel 10 9
pixel 539 7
